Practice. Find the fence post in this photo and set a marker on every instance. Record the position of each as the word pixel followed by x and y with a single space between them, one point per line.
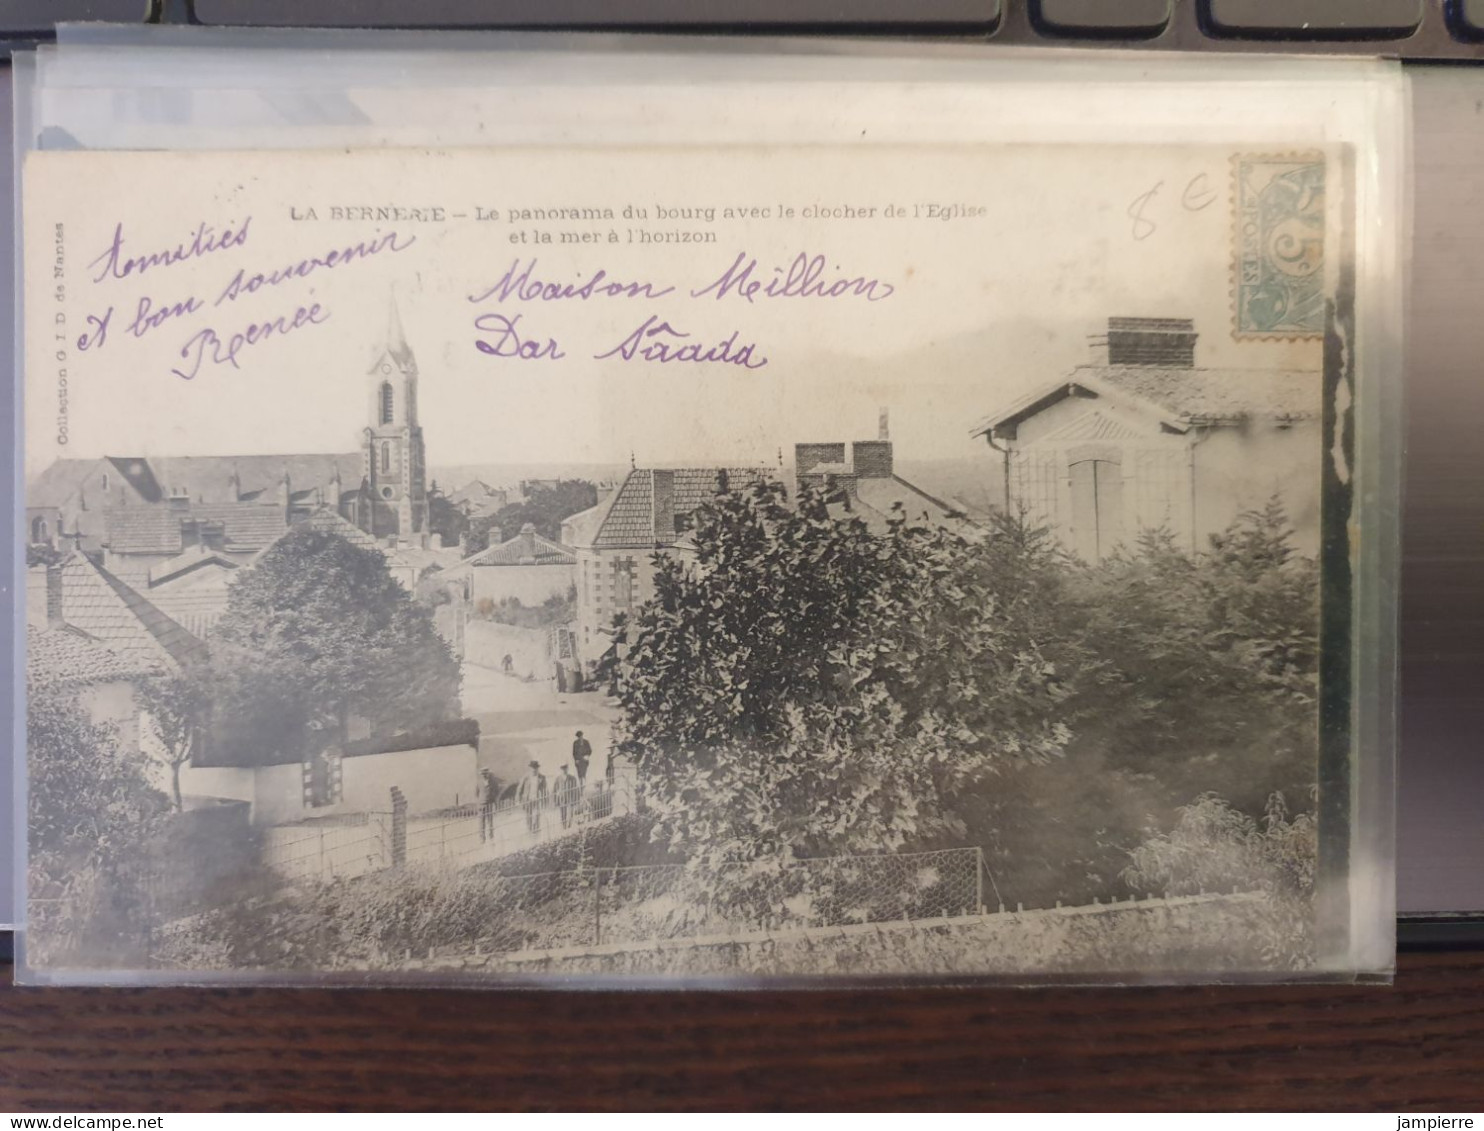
pixel 598 907
pixel 399 828
pixel 979 880
pixel 321 876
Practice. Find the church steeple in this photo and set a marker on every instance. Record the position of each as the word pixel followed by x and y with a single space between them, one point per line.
pixel 393 460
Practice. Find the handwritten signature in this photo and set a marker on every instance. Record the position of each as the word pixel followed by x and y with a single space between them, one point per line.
pixel 114 264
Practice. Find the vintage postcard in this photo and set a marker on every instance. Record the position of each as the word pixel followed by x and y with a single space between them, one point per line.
pixel 713 562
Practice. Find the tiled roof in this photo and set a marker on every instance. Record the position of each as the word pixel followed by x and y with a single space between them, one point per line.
pixel 189 559
pixel 328 521
pixel 1186 396
pixel 476 490
pixel 880 497
pixel 541 551
pixel 65 657
pixel 642 511
pixel 195 608
pixel 1217 395
pixel 247 526
pixel 104 607
pixel 144 530
pixel 157 529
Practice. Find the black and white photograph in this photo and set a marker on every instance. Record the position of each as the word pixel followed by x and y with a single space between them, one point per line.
pixel 709 564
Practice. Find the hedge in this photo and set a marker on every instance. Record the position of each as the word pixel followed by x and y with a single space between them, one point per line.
pixel 451 732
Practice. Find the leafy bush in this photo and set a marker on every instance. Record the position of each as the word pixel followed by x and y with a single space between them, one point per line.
pixel 1214 847
pixel 449 732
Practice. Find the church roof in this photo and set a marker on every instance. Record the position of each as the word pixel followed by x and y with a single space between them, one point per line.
pixel 202 479
pixel 396 346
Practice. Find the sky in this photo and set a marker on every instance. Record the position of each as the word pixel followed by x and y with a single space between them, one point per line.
pixel 942 321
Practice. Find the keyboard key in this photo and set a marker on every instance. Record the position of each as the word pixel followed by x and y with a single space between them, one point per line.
pixel 597 13
pixel 1104 17
pixel 1316 19
pixel 1471 15
pixel 41 17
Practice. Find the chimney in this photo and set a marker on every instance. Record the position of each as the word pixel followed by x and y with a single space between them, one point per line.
pixel 664 505
pixel 285 488
pixel 234 487
pixel 55 609
pixel 809 456
pixel 871 459
pixel 883 431
pixel 1167 343
pixel 527 537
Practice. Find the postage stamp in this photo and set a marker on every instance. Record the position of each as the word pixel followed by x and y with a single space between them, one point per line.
pixel 1278 245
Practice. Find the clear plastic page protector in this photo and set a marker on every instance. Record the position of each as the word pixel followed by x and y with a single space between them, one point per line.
pixel 573 511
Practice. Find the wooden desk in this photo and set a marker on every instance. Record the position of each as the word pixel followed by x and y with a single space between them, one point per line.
pixel 1417 1046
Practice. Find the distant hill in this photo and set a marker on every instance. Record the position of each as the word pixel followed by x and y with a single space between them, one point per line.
pixel 450 477
pixel 975 483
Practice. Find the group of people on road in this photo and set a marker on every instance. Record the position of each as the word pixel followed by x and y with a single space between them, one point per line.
pixel 566 793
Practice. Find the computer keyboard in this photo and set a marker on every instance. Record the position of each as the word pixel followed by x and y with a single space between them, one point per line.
pixel 1442 30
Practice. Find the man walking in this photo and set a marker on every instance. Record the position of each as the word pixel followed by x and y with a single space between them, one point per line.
pixel 564 796
pixel 488 793
pixel 582 753
pixel 532 794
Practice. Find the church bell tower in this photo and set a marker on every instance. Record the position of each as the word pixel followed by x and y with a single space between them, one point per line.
pixel 393 462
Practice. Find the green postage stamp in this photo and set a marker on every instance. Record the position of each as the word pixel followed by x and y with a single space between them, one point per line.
pixel 1278 267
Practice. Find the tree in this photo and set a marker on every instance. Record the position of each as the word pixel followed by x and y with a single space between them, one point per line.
pixel 808 687
pixel 544 508
pixel 315 633
pixel 92 818
pixel 179 704
pixel 445 519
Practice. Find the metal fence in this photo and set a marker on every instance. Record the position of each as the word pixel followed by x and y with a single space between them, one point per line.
pixel 596 906
pixel 335 848
pixel 341 847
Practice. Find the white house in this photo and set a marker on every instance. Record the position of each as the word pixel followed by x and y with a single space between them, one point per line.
pixel 1147 439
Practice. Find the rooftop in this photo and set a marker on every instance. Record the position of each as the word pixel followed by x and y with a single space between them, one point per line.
pixel 642 512
pixel 1184 397
pixel 67 657
pixel 107 609
pixel 526 548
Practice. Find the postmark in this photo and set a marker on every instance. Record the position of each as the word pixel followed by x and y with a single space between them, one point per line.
pixel 1278 245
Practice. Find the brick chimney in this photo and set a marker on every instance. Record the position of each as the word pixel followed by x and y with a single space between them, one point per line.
pixel 1168 343
pixel 871 459
pixel 55 615
pixel 809 456
pixel 527 538
pixel 664 505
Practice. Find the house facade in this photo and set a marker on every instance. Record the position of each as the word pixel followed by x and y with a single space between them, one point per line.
pixel 527 568
pixel 613 543
pixel 1146 439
